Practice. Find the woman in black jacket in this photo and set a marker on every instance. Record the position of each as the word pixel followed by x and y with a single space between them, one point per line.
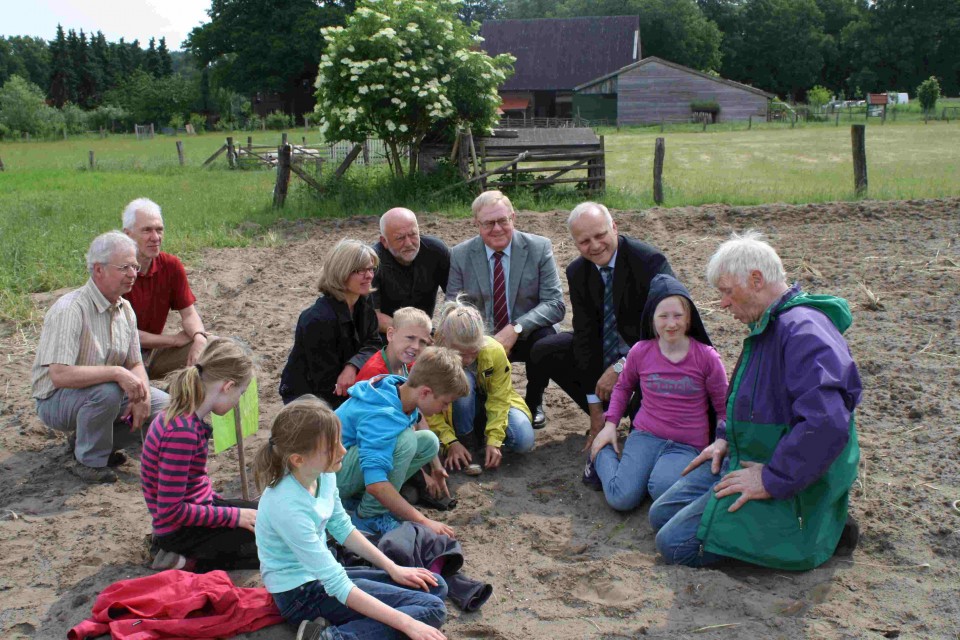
pixel 335 336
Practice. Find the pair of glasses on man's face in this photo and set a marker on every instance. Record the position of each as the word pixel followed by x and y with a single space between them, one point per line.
pixel 125 267
pixel 490 224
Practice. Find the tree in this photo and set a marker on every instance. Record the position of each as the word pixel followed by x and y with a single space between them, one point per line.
pixel 780 48
pixel 402 76
pixel 23 109
pixel 266 45
pixel 164 62
pixel 817 97
pixel 928 93
pixel 150 99
pixel 26 57
pixel 61 70
pixel 480 10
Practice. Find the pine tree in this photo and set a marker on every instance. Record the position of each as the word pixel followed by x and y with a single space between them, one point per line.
pixel 61 72
pixel 163 56
pixel 152 60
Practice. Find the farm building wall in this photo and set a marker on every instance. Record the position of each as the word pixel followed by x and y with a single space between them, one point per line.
pixel 652 92
pixel 595 106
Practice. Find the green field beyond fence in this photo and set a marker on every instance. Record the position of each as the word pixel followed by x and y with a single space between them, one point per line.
pixel 52 203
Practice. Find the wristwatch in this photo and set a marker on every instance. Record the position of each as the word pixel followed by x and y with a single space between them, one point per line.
pixel 518 328
pixel 618 365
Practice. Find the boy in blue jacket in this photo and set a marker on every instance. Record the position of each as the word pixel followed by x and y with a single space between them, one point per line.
pixel 383 448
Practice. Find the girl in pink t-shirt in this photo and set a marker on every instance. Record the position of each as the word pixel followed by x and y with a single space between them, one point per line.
pixel 680 377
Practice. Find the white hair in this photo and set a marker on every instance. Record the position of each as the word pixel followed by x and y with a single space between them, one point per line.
pixel 105 245
pixel 392 213
pixel 587 207
pixel 140 204
pixel 743 253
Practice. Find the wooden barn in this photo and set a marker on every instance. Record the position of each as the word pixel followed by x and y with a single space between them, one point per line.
pixel 654 90
pixel 555 55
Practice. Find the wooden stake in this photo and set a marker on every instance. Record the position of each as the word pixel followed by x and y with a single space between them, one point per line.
pixel 858 137
pixel 283 176
pixel 243 465
pixel 214 156
pixel 180 152
pixel 91 160
pixel 659 151
pixel 1 164
pixel 348 160
pixel 231 153
pixel 249 144
pixel 283 138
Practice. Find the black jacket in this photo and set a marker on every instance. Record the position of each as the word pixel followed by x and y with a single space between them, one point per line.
pixel 637 264
pixel 326 339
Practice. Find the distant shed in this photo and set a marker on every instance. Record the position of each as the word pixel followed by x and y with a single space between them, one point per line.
pixel 654 90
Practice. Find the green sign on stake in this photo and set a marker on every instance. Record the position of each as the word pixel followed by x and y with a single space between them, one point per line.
pixel 232 427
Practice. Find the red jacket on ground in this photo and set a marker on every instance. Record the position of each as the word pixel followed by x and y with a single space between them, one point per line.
pixel 177 604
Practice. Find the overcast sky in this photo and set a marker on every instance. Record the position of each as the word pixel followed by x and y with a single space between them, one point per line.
pixel 129 19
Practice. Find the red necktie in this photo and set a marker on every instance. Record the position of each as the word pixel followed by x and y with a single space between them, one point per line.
pixel 500 315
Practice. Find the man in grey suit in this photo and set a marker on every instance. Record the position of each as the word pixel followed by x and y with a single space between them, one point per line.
pixel 512 279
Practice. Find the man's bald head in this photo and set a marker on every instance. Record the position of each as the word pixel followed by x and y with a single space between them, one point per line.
pixel 400 234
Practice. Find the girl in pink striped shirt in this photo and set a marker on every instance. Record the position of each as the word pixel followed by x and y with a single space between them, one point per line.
pixel 193 527
pixel 680 378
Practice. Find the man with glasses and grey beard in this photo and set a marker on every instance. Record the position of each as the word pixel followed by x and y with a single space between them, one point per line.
pixel 511 277
pixel 88 375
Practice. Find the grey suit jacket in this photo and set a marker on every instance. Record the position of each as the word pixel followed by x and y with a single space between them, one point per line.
pixel 534 296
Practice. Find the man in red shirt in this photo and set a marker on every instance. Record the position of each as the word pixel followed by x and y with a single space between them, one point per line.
pixel 161 285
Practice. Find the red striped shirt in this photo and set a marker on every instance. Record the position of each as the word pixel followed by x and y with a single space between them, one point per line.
pixel 173 475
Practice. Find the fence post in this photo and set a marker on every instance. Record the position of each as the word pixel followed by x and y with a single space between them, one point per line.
pixel 283 176
pixel 151 131
pixel 366 154
pixel 103 132
pixel 231 153
pixel 304 139
pixel 750 122
pixel 180 152
pixel 283 138
pixel 1 164
pixel 91 159
pixel 858 137
pixel 249 144
pixel 658 153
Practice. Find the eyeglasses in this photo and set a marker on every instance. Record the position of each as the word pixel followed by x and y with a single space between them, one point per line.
pixel 125 267
pixel 371 270
pixel 489 225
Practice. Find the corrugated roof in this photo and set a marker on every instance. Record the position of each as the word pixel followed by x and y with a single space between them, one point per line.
pixel 558 54
pixel 680 67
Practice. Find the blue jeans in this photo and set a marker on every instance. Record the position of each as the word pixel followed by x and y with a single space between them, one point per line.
pixel 675 516
pixel 649 465
pixel 519 436
pixel 309 601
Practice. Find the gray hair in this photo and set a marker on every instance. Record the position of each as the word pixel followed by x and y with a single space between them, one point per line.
pixel 105 245
pixel 489 199
pixel 586 207
pixel 392 213
pixel 743 253
pixel 140 204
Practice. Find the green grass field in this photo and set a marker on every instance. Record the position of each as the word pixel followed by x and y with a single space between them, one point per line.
pixel 51 204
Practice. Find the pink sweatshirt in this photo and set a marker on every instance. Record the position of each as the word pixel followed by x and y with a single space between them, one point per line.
pixel 675 395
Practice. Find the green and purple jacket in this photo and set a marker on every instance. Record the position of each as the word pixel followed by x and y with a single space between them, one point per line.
pixel 790 406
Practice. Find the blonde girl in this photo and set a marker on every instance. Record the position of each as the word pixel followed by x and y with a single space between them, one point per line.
pixel 193 526
pixel 300 504
pixel 508 421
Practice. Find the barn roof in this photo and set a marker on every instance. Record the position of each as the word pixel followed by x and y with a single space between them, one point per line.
pixel 560 53
pixel 679 67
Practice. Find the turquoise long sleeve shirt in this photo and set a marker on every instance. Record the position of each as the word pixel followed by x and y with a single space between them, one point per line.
pixel 291 540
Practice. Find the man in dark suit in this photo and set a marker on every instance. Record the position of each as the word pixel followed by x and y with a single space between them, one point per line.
pixel 511 277
pixel 608 288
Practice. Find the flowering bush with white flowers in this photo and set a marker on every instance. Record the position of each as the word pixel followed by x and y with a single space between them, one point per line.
pixel 401 69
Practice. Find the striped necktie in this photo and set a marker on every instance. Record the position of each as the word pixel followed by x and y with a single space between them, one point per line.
pixel 500 315
pixel 611 340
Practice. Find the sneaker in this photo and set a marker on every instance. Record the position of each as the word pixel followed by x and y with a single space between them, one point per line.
pixel 376 525
pixel 93 475
pixel 313 630
pixel 590 477
pixel 849 538
pixel 168 560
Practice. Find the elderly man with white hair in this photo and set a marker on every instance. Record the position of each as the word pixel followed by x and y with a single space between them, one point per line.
pixel 88 375
pixel 412 267
pixel 773 488
pixel 161 285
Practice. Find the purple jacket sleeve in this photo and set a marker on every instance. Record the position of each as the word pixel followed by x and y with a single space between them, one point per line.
pixel 823 387
pixel 628 381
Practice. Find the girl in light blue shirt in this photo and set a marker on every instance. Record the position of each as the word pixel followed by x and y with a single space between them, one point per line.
pixel 299 505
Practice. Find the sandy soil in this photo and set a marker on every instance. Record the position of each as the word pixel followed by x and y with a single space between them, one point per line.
pixel 562 563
